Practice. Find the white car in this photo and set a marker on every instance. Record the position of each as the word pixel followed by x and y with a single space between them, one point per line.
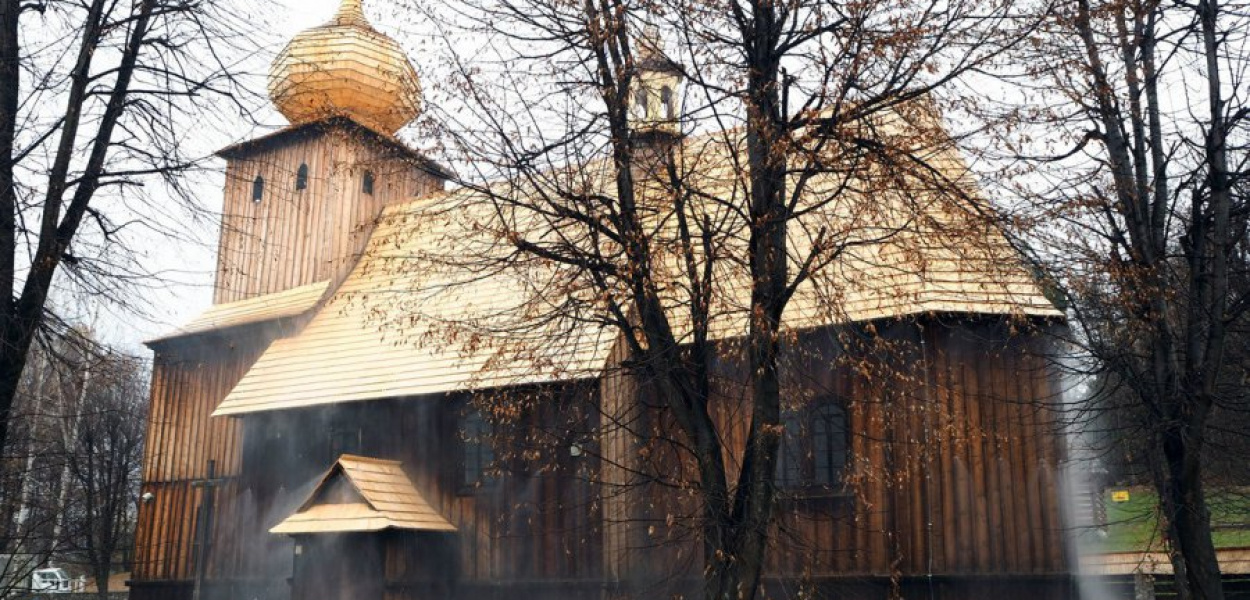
pixel 49 581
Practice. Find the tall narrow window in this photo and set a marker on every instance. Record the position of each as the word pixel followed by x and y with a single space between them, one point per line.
pixel 640 103
pixel 814 449
pixel 829 444
pixel 301 177
pixel 258 188
pixel 790 454
pixel 366 184
pixel 478 453
pixel 666 100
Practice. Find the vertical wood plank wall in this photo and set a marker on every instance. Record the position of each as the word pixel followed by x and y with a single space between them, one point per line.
pixel 624 522
pixel 294 237
pixel 953 474
pixel 525 526
pixel 187 385
pixel 953 465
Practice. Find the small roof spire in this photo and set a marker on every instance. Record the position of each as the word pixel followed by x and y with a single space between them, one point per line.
pixel 351 12
pixel 649 44
pixel 649 51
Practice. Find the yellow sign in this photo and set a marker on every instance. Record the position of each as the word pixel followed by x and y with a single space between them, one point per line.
pixel 1119 496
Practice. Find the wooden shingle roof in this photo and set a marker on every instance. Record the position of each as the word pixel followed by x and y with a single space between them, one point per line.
pixel 395 328
pixel 364 132
pixel 266 307
pixel 360 494
pixel 408 322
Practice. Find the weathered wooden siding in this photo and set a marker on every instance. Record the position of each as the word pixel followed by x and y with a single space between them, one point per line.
pixel 293 237
pixel 524 527
pixel 187 384
pixel 952 491
pixel 624 529
pixel 953 463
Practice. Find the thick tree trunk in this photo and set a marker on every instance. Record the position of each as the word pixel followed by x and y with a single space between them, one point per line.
pixel 1184 503
pixel 1186 357
pixel 736 571
pixel 102 583
pixel 13 355
pixel 1183 494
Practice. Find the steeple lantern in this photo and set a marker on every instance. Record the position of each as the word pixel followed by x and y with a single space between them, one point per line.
pixel 655 103
pixel 300 202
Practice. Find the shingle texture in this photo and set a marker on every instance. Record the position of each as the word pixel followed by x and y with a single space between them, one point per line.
pixel 380 496
pixel 438 304
pixel 267 307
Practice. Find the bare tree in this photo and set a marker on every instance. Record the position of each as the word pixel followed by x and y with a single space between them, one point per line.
pixel 611 218
pixel 104 456
pixel 33 460
pixel 1132 131
pixel 65 375
pixel 94 98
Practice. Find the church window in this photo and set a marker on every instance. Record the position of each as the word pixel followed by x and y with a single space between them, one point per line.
pixel 258 188
pixel 640 101
pixel 814 449
pixel 366 184
pixel 666 101
pixel 301 177
pixel 478 454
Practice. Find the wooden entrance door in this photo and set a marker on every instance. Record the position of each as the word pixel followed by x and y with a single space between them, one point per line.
pixel 344 566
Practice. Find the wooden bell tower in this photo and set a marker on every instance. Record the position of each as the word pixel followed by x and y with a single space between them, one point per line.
pixel 300 203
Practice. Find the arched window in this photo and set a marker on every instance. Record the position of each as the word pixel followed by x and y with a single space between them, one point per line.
pixel 815 447
pixel 640 102
pixel 301 177
pixel 258 188
pixel 366 183
pixel 666 100
pixel 478 453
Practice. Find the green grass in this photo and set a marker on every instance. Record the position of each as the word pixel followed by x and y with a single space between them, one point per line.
pixel 1133 526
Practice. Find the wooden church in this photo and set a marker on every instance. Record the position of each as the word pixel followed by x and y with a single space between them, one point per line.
pixel 301 447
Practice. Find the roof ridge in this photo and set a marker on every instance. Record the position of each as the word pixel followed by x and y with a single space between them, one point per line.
pixel 413 202
pixel 334 120
pixel 361 458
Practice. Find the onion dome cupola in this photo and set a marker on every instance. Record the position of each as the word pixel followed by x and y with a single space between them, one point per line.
pixel 655 105
pixel 346 68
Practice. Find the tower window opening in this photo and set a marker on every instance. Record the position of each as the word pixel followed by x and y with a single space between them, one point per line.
pixel 258 188
pixel 666 101
pixel 301 177
pixel 640 99
pixel 366 184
